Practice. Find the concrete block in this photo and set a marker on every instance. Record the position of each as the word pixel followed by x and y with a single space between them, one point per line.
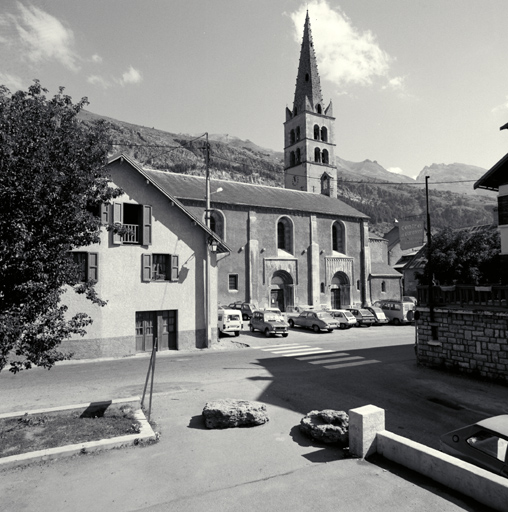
pixel 364 424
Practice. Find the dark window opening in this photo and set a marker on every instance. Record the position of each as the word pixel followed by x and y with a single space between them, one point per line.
pixel 297 133
pixel 292 137
pixel 316 132
pixel 233 282
pixel 324 156
pixel 324 134
pixel 306 77
pixel 318 109
pixel 338 237
pixel 281 236
pixel 292 159
pixel 298 156
pixel 317 155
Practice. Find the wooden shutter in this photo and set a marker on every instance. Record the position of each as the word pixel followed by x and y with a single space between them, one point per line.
pixel 117 219
pixel 93 266
pixel 147 225
pixel 174 267
pixel 146 267
pixel 105 214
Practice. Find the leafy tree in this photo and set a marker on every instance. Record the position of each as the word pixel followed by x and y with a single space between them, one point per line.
pixel 53 182
pixel 465 257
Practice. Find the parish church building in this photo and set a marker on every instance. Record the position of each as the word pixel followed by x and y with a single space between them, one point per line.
pixel 298 244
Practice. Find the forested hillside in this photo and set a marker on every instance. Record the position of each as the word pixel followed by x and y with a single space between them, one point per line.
pixel 235 159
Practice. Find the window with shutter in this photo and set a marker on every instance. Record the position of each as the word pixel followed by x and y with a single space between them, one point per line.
pixel 146 265
pixel 174 267
pixel 88 264
pixel 147 225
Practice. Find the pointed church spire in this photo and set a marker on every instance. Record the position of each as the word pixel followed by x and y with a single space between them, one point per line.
pixel 308 87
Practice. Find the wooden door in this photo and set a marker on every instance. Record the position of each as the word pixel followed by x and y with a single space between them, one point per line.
pixel 167 329
pixel 146 328
pixel 336 298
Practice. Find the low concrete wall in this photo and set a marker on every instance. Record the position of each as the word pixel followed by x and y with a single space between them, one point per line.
pixel 367 435
pixel 477 483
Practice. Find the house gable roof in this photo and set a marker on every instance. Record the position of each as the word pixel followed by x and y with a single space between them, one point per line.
pixel 221 247
pixel 495 177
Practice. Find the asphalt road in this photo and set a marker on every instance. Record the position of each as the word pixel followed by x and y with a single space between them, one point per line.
pixel 271 467
pixel 343 370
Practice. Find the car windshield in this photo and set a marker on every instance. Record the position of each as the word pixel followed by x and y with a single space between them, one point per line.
pixel 347 314
pixel 324 315
pixel 272 317
pixel 377 311
pixel 233 318
pixel 365 312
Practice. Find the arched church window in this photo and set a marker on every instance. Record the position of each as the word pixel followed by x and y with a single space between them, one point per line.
pixel 292 159
pixel 383 286
pixel 318 108
pixel 324 156
pixel 338 238
pixel 297 133
pixel 298 156
pixel 324 134
pixel 317 155
pixel 292 137
pixel 217 223
pixel 285 234
pixel 325 184
pixel 316 132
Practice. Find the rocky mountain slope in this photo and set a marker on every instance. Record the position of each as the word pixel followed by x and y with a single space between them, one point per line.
pixel 363 185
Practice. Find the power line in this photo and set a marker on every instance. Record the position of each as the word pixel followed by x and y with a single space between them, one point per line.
pixel 250 165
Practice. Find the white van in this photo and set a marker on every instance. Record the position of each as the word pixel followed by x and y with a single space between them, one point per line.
pixel 397 312
pixel 229 320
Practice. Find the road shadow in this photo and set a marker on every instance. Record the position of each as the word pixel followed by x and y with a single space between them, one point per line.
pixel 324 453
pixel 466 503
pixel 197 422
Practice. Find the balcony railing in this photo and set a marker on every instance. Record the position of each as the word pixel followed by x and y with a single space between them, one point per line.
pixel 130 234
pixel 465 296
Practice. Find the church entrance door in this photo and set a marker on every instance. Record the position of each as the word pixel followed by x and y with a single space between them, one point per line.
pixel 336 298
pixel 277 299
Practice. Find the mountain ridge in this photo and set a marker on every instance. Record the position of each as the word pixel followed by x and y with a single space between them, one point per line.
pixel 366 185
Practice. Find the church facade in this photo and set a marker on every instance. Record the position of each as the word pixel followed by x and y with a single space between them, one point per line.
pixel 296 245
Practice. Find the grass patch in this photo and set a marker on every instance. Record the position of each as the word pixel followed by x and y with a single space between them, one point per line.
pixel 30 433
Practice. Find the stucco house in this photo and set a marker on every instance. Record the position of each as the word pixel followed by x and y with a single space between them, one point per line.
pixel 159 276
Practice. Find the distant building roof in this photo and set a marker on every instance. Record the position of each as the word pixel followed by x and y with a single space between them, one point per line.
pixel 187 187
pixel 382 269
pixel 495 177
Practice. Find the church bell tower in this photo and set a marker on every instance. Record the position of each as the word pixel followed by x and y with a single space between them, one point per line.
pixel 309 157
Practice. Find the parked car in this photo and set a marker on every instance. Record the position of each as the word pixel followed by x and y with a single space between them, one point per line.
pixel 315 320
pixel 229 320
pixel 247 309
pixel 268 322
pixel 484 443
pixel 409 298
pixel 294 311
pixel 363 317
pixel 397 311
pixel 378 315
pixel 345 318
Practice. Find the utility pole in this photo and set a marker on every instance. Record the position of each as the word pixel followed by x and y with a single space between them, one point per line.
pixel 429 264
pixel 208 298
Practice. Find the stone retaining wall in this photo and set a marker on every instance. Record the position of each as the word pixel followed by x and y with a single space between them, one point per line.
pixel 470 341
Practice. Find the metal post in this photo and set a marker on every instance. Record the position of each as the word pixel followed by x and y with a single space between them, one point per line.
pixel 208 313
pixel 429 263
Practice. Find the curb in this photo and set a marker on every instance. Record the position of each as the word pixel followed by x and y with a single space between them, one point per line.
pixel 146 434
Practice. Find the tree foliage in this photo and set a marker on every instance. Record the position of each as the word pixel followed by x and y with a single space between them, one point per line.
pixel 465 257
pixel 53 171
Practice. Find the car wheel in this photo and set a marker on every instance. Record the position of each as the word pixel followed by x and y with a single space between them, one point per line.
pixel 237 333
pixel 367 325
pixel 396 321
pixel 316 328
pixel 284 334
pixel 291 323
pixel 330 330
pixel 251 328
pixel 342 326
pixel 267 332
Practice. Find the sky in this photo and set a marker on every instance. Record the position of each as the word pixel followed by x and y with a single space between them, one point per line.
pixel 412 82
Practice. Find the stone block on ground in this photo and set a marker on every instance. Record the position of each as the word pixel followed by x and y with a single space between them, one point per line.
pixel 328 426
pixel 228 412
